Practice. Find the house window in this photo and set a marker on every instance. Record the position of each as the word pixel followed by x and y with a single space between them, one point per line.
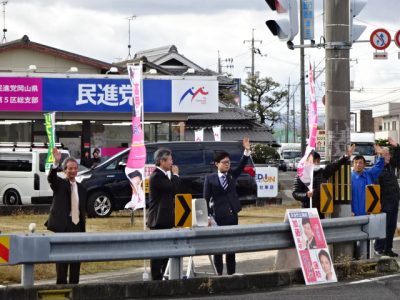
pixel 384 125
pixel 393 125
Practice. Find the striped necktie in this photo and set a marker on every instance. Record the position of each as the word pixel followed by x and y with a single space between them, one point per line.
pixel 224 182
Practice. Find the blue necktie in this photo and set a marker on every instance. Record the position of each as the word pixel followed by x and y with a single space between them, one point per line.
pixel 224 182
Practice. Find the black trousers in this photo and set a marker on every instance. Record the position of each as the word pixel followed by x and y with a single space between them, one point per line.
pixel 74 268
pixel 158 265
pixel 391 225
pixel 230 258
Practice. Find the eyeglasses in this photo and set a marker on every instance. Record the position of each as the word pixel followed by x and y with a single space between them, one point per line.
pixel 225 162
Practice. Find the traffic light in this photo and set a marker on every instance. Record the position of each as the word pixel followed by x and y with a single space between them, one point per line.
pixel 355 29
pixel 286 25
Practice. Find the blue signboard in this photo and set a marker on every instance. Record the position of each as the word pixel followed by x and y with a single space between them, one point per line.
pixel 308 19
pixel 103 95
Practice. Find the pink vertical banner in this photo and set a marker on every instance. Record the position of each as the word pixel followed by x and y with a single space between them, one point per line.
pixel 20 94
pixel 306 166
pixel 134 169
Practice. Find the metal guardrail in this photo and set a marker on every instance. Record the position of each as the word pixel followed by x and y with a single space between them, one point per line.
pixel 31 249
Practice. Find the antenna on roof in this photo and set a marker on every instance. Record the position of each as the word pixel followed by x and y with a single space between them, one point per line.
pixel 4 22
pixel 129 35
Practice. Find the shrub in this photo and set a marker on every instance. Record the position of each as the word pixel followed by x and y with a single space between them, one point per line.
pixel 261 153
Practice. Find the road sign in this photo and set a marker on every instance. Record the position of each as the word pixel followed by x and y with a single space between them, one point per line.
pixel 380 39
pixel 342 185
pixel 397 38
pixel 4 249
pixel 183 210
pixel 372 199
pixel 326 191
pixel 380 55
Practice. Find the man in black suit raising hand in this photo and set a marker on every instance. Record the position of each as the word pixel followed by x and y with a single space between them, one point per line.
pixel 68 210
pixel 222 199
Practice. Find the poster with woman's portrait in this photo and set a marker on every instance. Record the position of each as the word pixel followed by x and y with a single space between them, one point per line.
pixel 312 250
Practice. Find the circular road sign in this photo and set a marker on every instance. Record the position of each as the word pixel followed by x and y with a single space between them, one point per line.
pixel 397 38
pixel 380 39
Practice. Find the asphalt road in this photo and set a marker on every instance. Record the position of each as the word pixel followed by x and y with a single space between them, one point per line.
pixel 382 288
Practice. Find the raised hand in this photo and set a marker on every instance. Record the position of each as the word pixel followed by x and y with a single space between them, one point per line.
pixel 246 143
pixel 350 150
pixel 57 155
pixel 378 149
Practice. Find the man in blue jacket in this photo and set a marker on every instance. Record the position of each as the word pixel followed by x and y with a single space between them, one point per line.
pixel 360 178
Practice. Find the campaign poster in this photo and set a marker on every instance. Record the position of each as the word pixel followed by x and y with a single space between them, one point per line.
pixel 312 250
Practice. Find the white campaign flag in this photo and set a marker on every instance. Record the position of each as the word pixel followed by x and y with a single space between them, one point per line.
pixel 217 133
pixel 199 135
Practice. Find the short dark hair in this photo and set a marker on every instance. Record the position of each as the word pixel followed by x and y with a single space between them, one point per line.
pixel 220 155
pixel 96 150
pixel 358 157
pixel 305 221
pixel 66 161
pixel 316 155
pixel 324 253
pixel 161 154
pixel 134 174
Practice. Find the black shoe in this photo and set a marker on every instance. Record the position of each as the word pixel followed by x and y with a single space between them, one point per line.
pixel 379 252
pixel 391 253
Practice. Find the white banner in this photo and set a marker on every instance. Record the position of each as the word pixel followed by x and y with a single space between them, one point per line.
pixel 217 133
pixel 194 96
pixel 199 135
pixel 312 250
pixel 267 182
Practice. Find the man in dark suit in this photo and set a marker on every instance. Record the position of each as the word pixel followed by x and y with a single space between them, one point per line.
pixel 68 210
pixel 163 185
pixel 222 199
pixel 309 233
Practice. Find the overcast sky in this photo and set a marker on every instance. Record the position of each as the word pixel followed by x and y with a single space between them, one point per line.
pixel 99 29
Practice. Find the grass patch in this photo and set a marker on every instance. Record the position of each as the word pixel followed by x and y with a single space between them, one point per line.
pixel 117 222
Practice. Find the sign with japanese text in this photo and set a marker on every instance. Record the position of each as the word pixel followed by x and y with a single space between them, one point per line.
pixel 20 94
pixel 308 19
pixel 267 181
pixel 312 250
pixel 110 95
pixel 49 122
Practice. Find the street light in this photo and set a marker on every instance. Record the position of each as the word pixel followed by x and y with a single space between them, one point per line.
pixel 112 70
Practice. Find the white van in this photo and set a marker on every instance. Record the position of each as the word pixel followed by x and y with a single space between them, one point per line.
pixel 364 142
pixel 22 176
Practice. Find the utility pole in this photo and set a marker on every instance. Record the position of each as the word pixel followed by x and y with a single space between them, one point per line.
pixel 337 103
pixel 294 119
pixel 131 18
pixel 253 51
pixel 228 63
pixel 4 40
pixel 287 115
pixel 302 85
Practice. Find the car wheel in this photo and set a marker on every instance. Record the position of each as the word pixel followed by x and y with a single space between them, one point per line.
pixel 99 205
pixel 11 197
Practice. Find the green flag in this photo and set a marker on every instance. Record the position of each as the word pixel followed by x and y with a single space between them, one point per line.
pixel 49 119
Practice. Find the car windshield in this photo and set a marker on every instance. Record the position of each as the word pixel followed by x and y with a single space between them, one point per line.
pixel 364 149
pixel 291 154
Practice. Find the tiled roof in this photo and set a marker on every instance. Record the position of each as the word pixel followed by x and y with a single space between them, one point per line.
pixel 225 113
pixel 155 53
